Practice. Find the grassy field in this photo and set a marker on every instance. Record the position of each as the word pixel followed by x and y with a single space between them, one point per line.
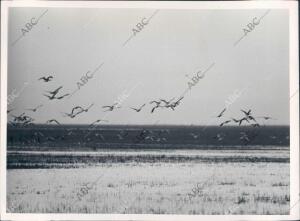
pixel 153 188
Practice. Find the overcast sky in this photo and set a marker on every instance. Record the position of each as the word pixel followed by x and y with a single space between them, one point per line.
pixel 155 63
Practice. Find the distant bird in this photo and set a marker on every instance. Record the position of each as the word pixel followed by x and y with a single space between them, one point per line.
pixel 61 97
pixel 244 137
pixel 19 118
pixel 175 104
pixel 267 118
pixel 219 137
pixel 35 109
pixel 222 112
pixel 101 136
pixel 195 136
pixel 70 133
pixel 235 120
pixel 120 136
pixel 225 122
pixel 71 115
pixel 98 121
pixel 255 125
pixel 167 102
pixel 8 111
pixel 157 103
pixel 243 119
pixel 138 109
pixel 111 107
pixel 52 121
pixel 81 109
pixel 54 93
pixel 247 113
pixel 46 79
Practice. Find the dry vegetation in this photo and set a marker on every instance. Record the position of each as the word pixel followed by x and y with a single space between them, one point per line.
pixel 153 188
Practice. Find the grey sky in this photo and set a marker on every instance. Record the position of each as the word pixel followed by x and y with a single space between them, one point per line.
pixel 67 43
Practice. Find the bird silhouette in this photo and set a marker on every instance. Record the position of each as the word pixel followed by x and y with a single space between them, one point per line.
pixel 247 113
pixel 157 105
pixel 267 118
pixel 98 121
pixel 138 109
pixel 35 109
pixel 53 94
pixel 81 109
pixel 46 79
pixel 225 122
pixel 175 104
pixel 111 107
pixel 243 119
pixel 8 111
pixel 195 136
pixel 222 112
pixel 167 102
pixel 52 121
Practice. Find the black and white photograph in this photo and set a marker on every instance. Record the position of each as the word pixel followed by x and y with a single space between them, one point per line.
pixel 149 110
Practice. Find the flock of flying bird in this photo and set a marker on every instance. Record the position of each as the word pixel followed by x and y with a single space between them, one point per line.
pixel 145 134
pixel 248 117
pixel 77 110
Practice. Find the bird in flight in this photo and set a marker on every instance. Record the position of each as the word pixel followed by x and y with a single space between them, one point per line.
pixel 195 136
pixel 98 121
pixel 255 125
pixel 247 113
pixel 46 79
pixel 111 107
pixel 19 118
pixel 8 111
pixel 225 122
pixel 35 109
pixel 267 118
pixel 71 115
pixel 175 104
pixel 81 109
pixel 243 119
pixel 52 121
pixel 157 103
pixel 167 102
pixel 54 93
pixel 222 112
pixel 138 109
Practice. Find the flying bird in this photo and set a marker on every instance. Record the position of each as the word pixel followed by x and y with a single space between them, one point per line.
pixel 98 121
pixel 222 112
pixel 81 109
pixel 111 107
pixel 225 122
pixel 267 118
pixel 61 97
pixel 247 113
pixel 167 102
pixel 46 79
pixel 8 111
pixel 195 136
pixel 157 103
pixel 54 93
pixel 243 119
pixel 35 109
pixel 175 104
pixel 52 121
pixel 138 109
